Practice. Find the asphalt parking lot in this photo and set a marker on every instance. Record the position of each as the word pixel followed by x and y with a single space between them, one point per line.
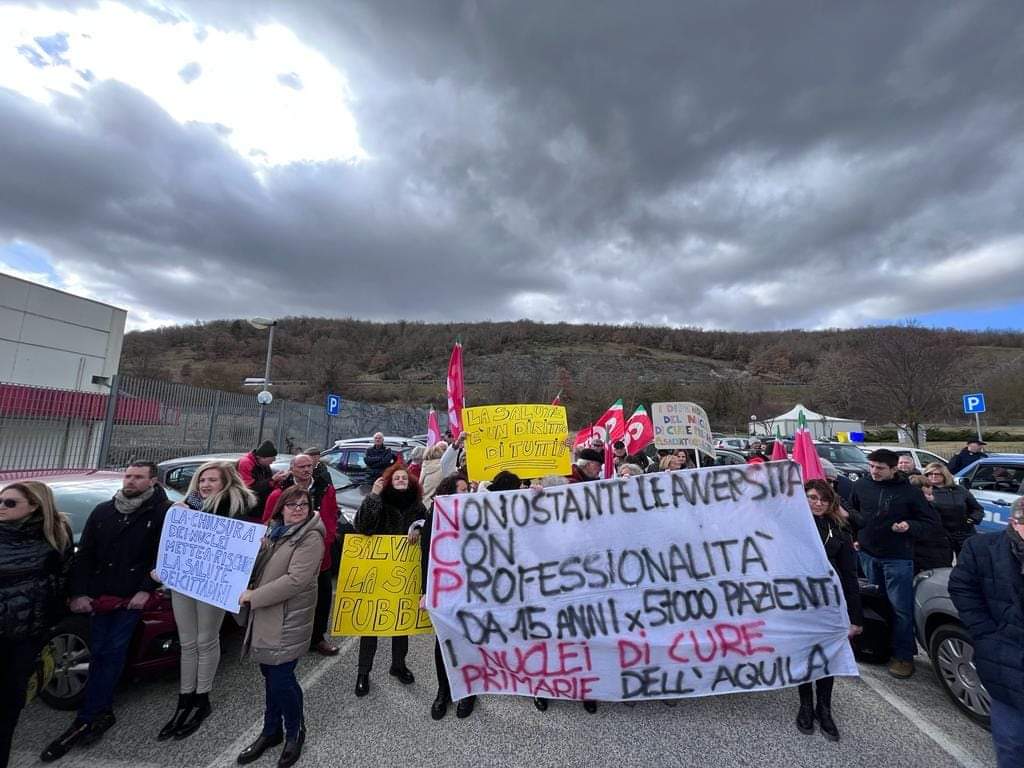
pixel 884 722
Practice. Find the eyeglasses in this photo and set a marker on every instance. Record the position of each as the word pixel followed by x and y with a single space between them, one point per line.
pixel 933 474
pixel 297 505
pixel 10 503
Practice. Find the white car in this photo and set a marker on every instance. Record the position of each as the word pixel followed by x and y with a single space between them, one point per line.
pixel 922 458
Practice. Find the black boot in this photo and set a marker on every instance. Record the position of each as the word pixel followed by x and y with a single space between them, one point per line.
pixel 255 750
pixel 405 677
pixel 60 746
pixel 465 707
pixel 440 705
pixel 362 683
pixel 541 704
pixel 828 725
pixel 201 709
pixel 805 719
pixel 590 706
pixel 185 702
pixel 292 749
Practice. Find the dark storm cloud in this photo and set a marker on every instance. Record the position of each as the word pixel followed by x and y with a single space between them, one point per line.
pixel 737 164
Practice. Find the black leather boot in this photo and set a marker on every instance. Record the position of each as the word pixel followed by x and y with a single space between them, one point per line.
pixel 201 709
pixel 828 725
pixel 292 749
pixel 185 702
pixel 404 675
pixel 805 719
pixel 465 707
pixel 440 706
pixel 362 683
pixel 255 750
pixel 60 746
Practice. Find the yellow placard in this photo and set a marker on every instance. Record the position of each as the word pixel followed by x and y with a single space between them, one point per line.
pixel 378 590
pixel 526 439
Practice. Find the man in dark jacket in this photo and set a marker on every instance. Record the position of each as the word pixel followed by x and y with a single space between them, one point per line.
pixel 968 455
pixel 378 458
pixel 888 513
pixel 987 588
pixel 110 580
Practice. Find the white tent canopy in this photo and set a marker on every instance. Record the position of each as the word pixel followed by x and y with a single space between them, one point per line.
pixel 822 427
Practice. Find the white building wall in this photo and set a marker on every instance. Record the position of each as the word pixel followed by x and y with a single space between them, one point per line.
pixel 49 338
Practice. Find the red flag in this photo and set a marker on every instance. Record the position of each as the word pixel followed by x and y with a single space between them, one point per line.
pixel 583 436
pixel 608 470
pixel 805 454
pixel 639 431
pixel 456 391
pixel 612 423
pixel 558 398
pixel 779 450
pixel 433 428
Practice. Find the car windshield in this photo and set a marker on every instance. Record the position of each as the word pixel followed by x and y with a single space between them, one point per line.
pixel 338 479
pixel 78 497
pixel 842 454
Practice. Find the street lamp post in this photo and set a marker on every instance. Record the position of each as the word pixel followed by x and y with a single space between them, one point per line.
pixel 263 397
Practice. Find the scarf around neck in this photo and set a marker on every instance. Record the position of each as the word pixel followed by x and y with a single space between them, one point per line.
pixel 126 505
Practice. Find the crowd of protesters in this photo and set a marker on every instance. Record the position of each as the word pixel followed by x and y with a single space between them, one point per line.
pixel 884 526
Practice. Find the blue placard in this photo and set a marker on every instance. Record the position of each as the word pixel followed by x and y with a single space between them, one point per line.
pixel 974 403
pixel 333 405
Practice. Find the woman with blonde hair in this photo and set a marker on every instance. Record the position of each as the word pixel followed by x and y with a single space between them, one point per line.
pixel 35 557
pixel 958 510
pixel 216 488
pixel 670 462
pixel 432 471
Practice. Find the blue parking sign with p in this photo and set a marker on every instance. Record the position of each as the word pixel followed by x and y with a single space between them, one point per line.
pixel 974 403
pixel 333 405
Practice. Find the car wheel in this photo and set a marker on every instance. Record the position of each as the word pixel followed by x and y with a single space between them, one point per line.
pixel 952 653
pixel 69 645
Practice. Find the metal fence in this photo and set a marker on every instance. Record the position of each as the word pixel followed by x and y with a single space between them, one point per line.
pixel 155 420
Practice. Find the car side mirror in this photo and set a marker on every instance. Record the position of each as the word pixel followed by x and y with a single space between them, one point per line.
pixel 965 482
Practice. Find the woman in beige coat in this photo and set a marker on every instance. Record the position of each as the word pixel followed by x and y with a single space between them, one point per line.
pixel 282 600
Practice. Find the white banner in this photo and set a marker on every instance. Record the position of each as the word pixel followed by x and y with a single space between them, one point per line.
pixel 690 583
pixel 206 556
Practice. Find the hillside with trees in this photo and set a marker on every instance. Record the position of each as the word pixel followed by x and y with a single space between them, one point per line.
pixel 905 374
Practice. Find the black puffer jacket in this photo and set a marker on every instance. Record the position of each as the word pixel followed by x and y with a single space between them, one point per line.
pixel 116 552
pixel 958 511
pixel 839 549
pixel 377 460
pixel 33 580
pixel 987 589
pixel 876 505
pixel 390 513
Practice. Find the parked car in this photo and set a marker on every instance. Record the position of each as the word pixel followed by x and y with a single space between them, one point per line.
pixel 995 482
pixel 177 474
pixel 921 457
pixel 734 443
pixel 349 456
pixel 845 457
pixel 949 646
pixel 154 645
pixel 725 457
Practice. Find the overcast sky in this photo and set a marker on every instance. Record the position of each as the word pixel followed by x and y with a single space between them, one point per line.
pixel 728 164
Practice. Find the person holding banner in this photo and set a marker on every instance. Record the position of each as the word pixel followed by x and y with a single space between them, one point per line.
pixel 218 489
pixel 838 543
pixel 420 532
pixel 282 604
pixel 392 506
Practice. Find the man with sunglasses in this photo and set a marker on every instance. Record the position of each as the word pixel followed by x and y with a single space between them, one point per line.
pixel 888 513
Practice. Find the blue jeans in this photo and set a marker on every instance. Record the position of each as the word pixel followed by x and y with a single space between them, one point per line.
pixel 284 699
pixel 897 578
pixel 109 637
pixel 1008 734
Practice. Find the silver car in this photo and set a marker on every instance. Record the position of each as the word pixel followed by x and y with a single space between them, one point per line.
pixel 949 646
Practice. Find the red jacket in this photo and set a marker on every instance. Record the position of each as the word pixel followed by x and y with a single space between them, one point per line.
pixel 328 514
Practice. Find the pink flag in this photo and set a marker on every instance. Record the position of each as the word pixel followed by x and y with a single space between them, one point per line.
pixel 433 429
pixel 456 391
pixel 805 454
pixel 558 398
pixel 779 450
pixel 608 470
pixel 639 431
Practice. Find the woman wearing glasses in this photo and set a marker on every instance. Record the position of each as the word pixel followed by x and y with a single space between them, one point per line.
pixel 957 508
pixel 35 555
pixel 282 602
pixel 835 537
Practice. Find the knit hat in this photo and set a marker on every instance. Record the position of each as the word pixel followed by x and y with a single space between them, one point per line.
pixel 267 450
pixel 590 454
